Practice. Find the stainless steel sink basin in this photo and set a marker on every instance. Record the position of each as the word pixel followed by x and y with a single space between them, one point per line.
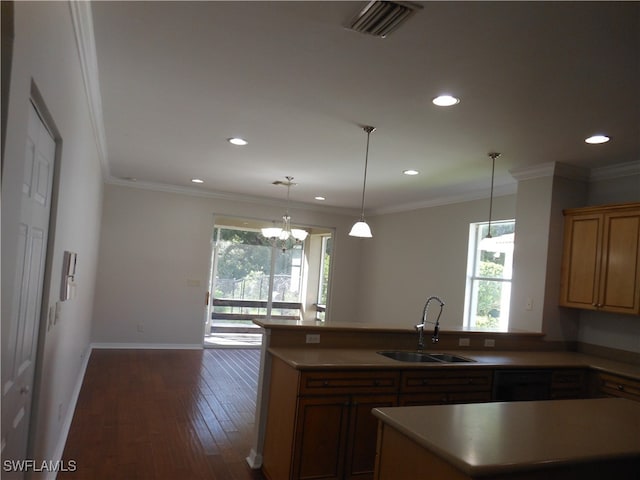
pixel 409 356
pixel 405 356
pixel 449 358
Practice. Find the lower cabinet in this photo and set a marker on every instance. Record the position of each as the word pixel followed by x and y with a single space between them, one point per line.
pixel 569 383
pixel 610 385
pixel 336 436
pixel 320 424
pixel 445 386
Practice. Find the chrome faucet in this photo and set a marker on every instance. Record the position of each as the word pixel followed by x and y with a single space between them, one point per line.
pixel 436 328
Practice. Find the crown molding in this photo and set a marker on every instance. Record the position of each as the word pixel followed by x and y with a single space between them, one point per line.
pixel 550 169
pixel 615 171
pixel 82 20
pixel 231 197
pixel 499 191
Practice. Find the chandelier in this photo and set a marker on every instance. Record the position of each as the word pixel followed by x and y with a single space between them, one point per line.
pixel 285 237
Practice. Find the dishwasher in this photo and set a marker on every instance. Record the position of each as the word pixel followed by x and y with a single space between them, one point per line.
pixel 520 385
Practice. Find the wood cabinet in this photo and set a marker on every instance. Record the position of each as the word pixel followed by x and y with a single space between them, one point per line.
pixel 601 259
pixel 320 425
pixel 432 387
pixel 610 385
pixel 569 383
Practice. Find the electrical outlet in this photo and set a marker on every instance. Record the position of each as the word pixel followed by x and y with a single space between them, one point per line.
pixel 489 342
pixel 464 342
pixel 313 338
pixel 528 305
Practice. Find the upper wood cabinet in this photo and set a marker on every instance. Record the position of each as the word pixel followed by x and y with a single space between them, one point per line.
pixel 601 259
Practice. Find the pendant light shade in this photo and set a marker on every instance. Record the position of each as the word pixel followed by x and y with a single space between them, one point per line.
pixel 360 228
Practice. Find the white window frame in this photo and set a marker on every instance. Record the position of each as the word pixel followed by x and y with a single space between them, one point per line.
pixel 473 280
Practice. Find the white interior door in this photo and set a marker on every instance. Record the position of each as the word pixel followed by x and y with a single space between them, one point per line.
pixel 19 350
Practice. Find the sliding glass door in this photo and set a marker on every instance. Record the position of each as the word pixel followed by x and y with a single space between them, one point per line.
pixel 253 278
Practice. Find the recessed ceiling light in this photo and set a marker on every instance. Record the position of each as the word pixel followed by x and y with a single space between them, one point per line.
pixel 411 172
pixel 197 180
pixel 597 139
pixel 237 141
pixel 320 198
pixel 445 101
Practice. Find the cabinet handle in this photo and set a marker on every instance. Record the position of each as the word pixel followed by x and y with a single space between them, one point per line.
pixel 621 388
pixel 325 383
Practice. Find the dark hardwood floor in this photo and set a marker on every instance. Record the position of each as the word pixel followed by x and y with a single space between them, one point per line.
pixel 165 414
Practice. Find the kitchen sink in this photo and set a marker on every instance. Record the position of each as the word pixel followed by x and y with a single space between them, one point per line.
pixel 449 358
pixel 409 356
pixel 405 356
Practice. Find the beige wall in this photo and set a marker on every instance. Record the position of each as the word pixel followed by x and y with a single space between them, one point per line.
pixel 45 52
pixel 420 253
pixel 155 245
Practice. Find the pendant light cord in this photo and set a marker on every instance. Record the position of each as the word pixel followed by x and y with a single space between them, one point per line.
pixel 367 129
pixel 493 157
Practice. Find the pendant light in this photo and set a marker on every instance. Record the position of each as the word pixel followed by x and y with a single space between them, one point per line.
pixel 285 237
pixel 360 228
pixel 492 156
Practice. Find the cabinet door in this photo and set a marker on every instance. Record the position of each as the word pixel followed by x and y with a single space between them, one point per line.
pixel 581 261
pixel 321 432
pixel 363 431
pixel 620 274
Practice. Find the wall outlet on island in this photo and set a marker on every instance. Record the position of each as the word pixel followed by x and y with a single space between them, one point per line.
pixel 464 342
pixel 489 342
pixel 313 338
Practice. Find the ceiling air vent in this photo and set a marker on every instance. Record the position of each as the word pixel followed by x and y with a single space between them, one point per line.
pixel 380 18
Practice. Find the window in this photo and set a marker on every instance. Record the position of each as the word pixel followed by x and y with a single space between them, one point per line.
pixel 251 278
pixel 489 269
pixel 243 275
pixel 323 281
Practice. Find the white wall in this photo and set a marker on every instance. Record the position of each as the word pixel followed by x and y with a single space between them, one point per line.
pixel 156 244
pixel 420 253
pixel 45 52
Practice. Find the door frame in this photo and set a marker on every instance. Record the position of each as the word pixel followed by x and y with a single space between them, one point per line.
pixel 40 105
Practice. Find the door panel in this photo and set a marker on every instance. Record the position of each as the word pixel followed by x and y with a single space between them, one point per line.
pixel 19 350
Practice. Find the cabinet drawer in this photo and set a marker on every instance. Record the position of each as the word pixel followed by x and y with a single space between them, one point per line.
pixel 617 386
pixel 347 382
pixel 449 380
pixel 441 398
pixel 570 383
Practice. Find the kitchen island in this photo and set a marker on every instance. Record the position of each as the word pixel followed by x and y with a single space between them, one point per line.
pixel 319 383
pixel 556 439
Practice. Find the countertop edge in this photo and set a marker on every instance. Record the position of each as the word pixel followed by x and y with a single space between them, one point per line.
pixel 357 359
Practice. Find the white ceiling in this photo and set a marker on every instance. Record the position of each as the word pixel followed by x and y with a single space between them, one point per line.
pixel 179 78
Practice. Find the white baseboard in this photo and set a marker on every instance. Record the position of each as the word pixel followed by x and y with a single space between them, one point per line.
pixel 254 459
pixel 149 346
pixel 66 424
